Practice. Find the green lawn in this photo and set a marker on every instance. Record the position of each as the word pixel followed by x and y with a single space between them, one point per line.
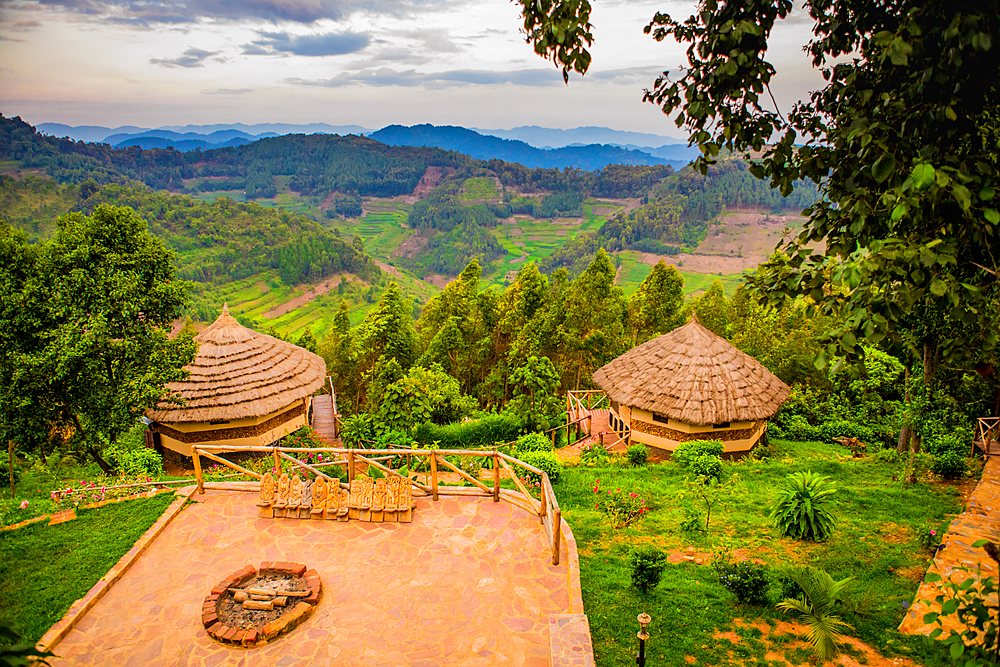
pixel 876 542
pixel 44 569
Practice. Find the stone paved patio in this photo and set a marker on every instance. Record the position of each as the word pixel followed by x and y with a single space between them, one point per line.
pixel 468 582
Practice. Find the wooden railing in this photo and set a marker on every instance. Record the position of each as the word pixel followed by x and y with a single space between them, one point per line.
pixel 987 430
pixel 582 401
pixel 546 508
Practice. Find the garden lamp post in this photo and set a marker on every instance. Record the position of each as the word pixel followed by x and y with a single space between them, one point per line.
pixel 644 619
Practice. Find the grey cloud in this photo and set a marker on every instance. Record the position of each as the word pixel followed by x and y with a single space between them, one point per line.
pixel 229 91
pixel 329 44
pixel 192 58
pixel 388 77
pixel 141 12
pixel 22 26
pixel 436 40
pixel 643 75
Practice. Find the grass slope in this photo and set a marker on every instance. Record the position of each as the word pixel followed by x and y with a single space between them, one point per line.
pixel 44 569
pixel 876 541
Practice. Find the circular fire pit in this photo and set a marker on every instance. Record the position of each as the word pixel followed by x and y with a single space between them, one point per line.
pixel 253 607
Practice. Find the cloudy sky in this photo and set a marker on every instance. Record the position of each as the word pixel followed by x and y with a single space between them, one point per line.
pixel 363 62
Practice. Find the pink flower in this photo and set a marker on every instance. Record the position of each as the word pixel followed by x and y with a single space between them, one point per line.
pixel 933 532
pixel 24 504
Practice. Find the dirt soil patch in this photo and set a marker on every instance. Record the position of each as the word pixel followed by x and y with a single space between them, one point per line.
pixel 310 294
pixel 854 652
pixel 437 280
pixel 412 246
pixel 430 180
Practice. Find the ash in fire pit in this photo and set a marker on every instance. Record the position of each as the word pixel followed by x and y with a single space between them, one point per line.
pixel 252 607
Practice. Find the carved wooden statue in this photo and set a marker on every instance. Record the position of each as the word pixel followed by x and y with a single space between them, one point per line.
pixel 282 500
pixel 378 500
pixel 305 502
pixel 320 495
pixel 265 503
pixel 294 496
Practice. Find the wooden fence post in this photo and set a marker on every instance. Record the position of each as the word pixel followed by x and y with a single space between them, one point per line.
pixel 590 424
pixel 277 463
pixel 556 534
pixel 496 477
pixel 544 506
pixel 434 474
pixel 350 466
pixel 197 469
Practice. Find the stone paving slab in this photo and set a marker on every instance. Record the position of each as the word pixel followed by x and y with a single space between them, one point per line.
pixel 980 520
pixel 468 582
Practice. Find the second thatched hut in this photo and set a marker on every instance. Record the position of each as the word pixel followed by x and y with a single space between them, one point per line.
pixel 690 384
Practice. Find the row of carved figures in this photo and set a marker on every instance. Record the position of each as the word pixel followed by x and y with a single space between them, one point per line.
pixel 377 500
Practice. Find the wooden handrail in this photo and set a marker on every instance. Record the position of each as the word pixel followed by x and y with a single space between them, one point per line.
pixel 547 508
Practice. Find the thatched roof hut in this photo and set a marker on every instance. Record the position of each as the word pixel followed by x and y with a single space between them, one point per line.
pixel 256 385
pixel 691 384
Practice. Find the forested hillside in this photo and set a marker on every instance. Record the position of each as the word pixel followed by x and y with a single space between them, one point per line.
pixel 319 164
pixel 216 243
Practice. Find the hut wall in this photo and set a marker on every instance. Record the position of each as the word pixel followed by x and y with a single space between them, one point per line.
pixel 250 432
pixel 737 437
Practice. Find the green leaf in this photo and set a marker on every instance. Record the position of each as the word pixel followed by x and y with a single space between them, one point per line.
pixel 883 167
pixel 898 212
pixel 957 649
pixel 949 607
pixel 922 177
pixel 938 287
pixel 992 216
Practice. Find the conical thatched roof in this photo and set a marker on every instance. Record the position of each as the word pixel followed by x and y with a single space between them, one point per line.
pixel 240 373
pixel 692 375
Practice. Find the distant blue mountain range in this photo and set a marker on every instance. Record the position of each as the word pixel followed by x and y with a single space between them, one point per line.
pixel 484 147
pixel 586 148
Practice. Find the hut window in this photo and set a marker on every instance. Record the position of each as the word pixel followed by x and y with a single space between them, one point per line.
pixel 219 421
pixel 721 425
pixel 661 419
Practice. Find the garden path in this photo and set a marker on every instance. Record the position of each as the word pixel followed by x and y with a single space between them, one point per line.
pixel 323 420
pixel 467 582
pixel 980 520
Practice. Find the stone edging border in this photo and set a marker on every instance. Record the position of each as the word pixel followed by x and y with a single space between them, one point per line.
pixel 570 644
pixel 287 622
pixel 79 608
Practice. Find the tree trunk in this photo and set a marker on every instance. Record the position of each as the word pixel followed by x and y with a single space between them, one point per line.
pixel 905 433
pixel 93 451
pixel 10 466
pixel 96 455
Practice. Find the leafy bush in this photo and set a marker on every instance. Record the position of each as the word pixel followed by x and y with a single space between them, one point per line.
pixel 359 431
pixel 594 454
pixel 747 580
pixel 795 427
pixel 5 474
pixel 544 461
pixel 135 461
pixel 802 509
pixel 693 521
pixel 533 442
pixel 621 507
pixel 950 452
pixel 707 465
pixel 686 452
pixel 648 563
pixel 637 454
pixel 481 432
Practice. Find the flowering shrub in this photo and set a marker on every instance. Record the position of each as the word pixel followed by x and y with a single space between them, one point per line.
pixel 594 454
pixel 86 492
pixel 930 540
pixel 621 507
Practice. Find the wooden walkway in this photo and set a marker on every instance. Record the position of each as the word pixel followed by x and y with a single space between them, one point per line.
pixel 324 420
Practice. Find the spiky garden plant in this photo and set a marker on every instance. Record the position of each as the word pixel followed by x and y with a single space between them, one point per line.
pixel 803 508
pixel 815 607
